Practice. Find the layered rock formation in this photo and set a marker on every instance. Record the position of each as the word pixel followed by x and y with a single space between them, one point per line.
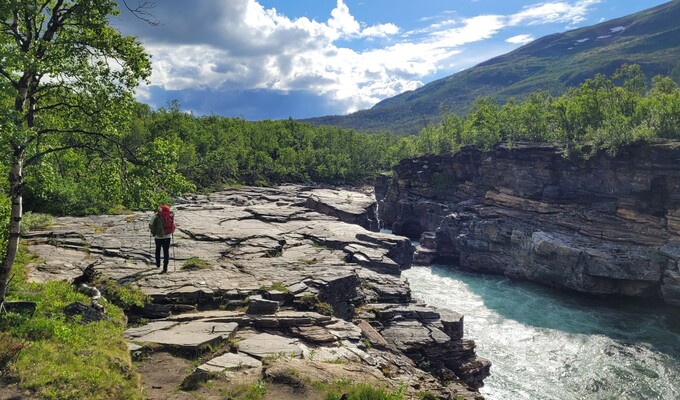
pixel 603 225
pixel 275 259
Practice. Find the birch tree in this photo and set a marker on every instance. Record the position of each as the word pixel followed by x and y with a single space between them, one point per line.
pixel 67 79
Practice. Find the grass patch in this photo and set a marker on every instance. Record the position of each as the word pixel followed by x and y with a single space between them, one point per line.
pixel 18 274
pixel 132 218
pixel 427 396
pixel 124 296
pixel 309 261
pixel 31 221
pixel 197 380
pixel 269 359
pixel 118 209
pixel 9 349
pixel 255 391
pixel 195 263
pixel 55 358
pixel 345 388
pixel 279 286
pixel 338 361
pixel 311 302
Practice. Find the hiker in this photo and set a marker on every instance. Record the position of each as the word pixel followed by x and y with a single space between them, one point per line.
pixel 162 225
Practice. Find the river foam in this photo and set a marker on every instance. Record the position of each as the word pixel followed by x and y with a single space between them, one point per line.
pixel 547 344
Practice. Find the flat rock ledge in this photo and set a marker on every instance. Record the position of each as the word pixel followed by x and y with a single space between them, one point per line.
pixel 292 287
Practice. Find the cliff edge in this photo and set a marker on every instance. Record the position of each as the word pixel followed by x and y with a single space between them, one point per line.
pixel 602 225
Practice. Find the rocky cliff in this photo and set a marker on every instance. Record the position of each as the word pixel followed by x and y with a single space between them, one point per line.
pixel 602 225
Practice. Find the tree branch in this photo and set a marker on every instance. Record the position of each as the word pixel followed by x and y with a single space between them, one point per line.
pixel 7 76
pixel 41 154
pixel 129 154
pixel 142 11
pixel 53 25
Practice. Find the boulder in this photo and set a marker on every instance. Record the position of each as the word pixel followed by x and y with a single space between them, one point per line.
pixel 258 305
pixel 85 313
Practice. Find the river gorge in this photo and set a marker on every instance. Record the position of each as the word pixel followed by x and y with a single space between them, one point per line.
pixel 306 272
pixel 599 233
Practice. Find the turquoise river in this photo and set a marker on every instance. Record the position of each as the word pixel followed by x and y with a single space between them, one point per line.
pixel 550 344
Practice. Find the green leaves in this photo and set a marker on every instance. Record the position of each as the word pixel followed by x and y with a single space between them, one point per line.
pixel 214 151
pixel 607 113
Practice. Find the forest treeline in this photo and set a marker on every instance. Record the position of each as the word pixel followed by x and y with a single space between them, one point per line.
pixel 168 151
pixel 605 113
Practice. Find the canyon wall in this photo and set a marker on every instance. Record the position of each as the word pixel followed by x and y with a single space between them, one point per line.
pixel 601 225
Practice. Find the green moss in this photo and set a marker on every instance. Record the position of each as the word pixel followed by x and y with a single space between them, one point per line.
pixel 427 396
pixel 311 302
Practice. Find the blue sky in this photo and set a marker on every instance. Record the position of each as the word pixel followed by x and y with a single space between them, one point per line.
pixel 274 59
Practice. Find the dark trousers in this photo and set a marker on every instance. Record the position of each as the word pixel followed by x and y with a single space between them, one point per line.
pixel 165 244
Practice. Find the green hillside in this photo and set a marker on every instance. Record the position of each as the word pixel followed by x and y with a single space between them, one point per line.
pixel 650 38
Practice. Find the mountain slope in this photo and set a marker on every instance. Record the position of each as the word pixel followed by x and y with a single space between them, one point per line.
pixel 650 38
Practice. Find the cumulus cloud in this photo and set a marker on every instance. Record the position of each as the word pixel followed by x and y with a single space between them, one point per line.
pixel 240 45
pixel 342 22
pixel 520 39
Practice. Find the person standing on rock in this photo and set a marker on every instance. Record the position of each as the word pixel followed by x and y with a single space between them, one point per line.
pixel 162 225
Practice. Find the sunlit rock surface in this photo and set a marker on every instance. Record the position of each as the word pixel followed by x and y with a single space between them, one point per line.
pixel 277 260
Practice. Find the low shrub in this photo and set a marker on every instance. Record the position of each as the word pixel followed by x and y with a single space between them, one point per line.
pixel 124 296
pixel 9 349
pixel 35 221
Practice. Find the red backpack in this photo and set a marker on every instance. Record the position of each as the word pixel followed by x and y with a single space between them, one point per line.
pixel 168 222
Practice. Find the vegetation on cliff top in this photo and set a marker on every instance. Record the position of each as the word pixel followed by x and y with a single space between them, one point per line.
pixel 605 113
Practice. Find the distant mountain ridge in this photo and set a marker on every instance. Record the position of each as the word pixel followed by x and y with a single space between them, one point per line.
pixel 650 38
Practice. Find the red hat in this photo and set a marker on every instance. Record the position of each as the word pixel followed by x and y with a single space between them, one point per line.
pixel 165 208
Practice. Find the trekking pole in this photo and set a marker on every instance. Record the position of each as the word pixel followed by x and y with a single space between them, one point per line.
pixel 150 245
pixel 174 264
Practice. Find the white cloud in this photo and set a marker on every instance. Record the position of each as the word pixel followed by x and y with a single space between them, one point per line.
pixel 382 30
pixel 520 39
pixel 552 12
pixel 342 21
pixel 243 46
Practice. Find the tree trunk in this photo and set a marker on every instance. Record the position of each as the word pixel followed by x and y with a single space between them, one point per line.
pixel 16 182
